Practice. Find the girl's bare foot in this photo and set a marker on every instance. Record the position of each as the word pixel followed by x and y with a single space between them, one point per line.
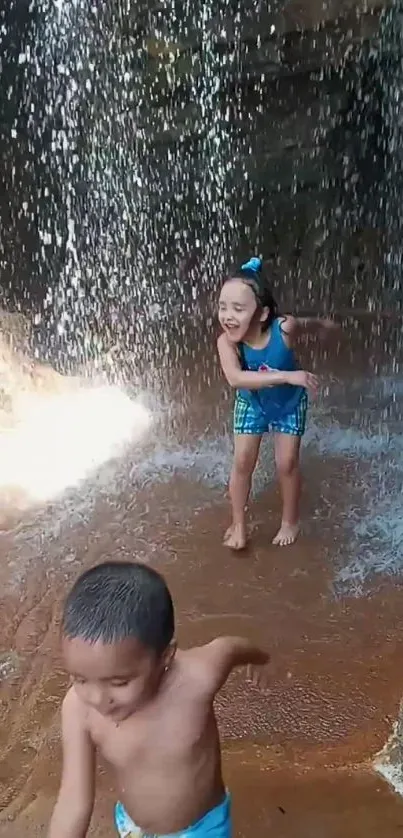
pixel 228 533
pixel 287 534
pixel 235 537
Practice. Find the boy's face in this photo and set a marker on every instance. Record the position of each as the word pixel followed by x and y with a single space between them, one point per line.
pixel 115 679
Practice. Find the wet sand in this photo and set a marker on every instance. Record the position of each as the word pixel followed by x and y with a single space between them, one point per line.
pixel 298 761
pixel 305 748
pixel 283 804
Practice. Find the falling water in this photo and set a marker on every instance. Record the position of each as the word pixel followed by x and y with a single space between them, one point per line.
pixel 390 76
pixel 387 528
pixel 137 148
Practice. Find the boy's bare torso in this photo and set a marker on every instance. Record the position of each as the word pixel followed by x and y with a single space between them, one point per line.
pixel 165 757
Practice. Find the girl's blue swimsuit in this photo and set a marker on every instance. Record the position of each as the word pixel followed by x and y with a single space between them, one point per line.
pixel 281 408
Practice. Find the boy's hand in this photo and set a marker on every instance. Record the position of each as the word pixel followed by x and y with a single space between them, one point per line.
pixel 259 676
pixel 258 657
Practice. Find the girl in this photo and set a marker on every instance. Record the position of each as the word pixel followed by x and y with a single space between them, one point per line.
pixel 257 358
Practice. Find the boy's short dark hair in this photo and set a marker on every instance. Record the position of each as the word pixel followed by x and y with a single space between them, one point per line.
pixel 116 600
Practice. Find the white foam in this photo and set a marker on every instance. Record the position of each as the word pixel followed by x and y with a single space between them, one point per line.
pixel 59 439
pixel 388 761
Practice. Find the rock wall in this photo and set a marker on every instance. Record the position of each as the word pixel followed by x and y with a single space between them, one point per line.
pixel 305 138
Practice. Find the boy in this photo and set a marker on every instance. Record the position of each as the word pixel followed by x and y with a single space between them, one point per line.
pixel 145 705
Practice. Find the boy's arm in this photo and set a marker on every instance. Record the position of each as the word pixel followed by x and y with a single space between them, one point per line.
pixel 217 659
pixel 72 813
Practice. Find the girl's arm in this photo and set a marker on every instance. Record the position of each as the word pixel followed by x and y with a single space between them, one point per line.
pixel 293 327
pixel 248 380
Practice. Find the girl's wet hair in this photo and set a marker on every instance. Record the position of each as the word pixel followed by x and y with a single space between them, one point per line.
pixel 116 600
pixel 252 274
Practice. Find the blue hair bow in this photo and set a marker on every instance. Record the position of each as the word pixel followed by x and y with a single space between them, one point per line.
pixel 254 264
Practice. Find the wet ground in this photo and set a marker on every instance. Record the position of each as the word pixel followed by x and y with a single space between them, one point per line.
pixel 329 608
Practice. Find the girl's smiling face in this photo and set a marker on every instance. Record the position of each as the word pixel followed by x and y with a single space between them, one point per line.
pixel 238 310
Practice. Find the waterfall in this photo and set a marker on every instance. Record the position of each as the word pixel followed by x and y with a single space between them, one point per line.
pixel 128 122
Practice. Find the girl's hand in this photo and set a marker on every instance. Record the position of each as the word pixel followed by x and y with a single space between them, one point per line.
pixel 327 325
pixel 300 378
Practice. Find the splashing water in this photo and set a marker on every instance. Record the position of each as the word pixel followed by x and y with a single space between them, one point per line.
pixel 56 430
pixel 61 439
pixel 389 761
